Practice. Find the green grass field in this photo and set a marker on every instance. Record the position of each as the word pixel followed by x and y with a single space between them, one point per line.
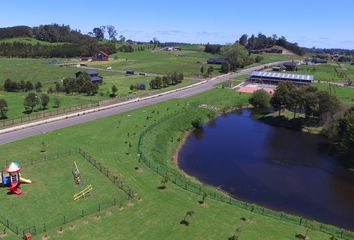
pixel 187 61
pixel 345 94
pixel 158 215
pixel 327 72
pixel 50 197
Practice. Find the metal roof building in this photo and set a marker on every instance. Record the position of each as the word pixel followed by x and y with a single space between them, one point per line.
pixel 275 78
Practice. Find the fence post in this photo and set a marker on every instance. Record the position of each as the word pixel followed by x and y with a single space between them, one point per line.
pixel 99 207
pixel 82 213
pixel 17 230
pixel 300 221
pixel 64 220
pixel 7 222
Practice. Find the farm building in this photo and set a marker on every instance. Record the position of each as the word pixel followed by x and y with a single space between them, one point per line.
pixel 290 66
pixel 275 78
pixel 93 74
pixel 216 60
pixel 100 56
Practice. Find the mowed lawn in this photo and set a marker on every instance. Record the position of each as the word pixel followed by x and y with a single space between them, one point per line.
pixel 159 213
pixel 50 197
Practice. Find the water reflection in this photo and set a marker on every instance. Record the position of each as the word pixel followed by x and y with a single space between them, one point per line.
pixel 275 167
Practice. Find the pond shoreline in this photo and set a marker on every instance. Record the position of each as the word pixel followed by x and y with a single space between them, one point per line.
pixel 177 158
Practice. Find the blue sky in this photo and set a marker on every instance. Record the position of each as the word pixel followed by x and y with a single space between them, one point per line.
pixel 320 23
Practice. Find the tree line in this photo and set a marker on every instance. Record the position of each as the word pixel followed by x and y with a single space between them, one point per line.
pixel 22 86
pixel 167 80
pixel 336 120
pixel 74 43
pixel 261 41
pixel 258 42
pixel 25 50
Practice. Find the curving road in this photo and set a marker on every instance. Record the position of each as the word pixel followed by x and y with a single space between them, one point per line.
pixel 63 123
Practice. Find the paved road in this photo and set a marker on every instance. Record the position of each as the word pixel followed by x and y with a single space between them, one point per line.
pixel 48 127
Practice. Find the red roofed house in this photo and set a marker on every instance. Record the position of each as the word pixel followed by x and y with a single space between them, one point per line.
pixel 100 56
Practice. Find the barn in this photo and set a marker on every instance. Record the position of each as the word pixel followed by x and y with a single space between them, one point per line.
pixel 95 78
pixel 276 78
pixel 100 56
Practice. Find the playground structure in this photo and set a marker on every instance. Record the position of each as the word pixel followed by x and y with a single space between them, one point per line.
pixel 76 174
pixel 84 193
pixel 12 178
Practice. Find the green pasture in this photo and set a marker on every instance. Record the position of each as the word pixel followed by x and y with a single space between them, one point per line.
pixel 114 142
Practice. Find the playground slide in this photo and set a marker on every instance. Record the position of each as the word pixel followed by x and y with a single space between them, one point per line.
pixel 14 188
pixel 25 180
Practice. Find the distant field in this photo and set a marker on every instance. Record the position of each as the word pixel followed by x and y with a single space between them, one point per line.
pixel 33 70
pixel 29 40
pixel 327 72
pixel 187 61
pixel 345 94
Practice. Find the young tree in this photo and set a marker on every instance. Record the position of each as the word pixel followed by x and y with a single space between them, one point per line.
pixel 30 102
pixel 164 181
pixel 188 214
pixel 57 102
pixel 260 99
pixel 38 87
pixel 210 70
pixel 202 69
pixel 44 101
pixel 3 108
pixel 114 90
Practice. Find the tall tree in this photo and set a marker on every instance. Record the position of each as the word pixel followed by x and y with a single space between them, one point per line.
pixel 98 33
pixel 344 139
pixel 112 32
pixel 243 40
pixel 30 102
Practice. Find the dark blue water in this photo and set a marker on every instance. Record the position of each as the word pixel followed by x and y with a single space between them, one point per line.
pixel 274 167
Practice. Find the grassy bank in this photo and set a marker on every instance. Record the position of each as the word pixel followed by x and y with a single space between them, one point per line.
pixel 114 140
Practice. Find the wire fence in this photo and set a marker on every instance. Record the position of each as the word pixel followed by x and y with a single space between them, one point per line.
pixel 182 181
pixel 69 217
pixel 46 114
pixel 116 180
pixel 60 222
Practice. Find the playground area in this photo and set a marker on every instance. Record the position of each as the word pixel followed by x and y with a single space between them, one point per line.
pixel 61 189
pixel 251 87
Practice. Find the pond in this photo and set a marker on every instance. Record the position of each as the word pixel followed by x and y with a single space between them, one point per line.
pixel 282 169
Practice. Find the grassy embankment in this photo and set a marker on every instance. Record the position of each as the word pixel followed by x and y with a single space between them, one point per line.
pixel 158 216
